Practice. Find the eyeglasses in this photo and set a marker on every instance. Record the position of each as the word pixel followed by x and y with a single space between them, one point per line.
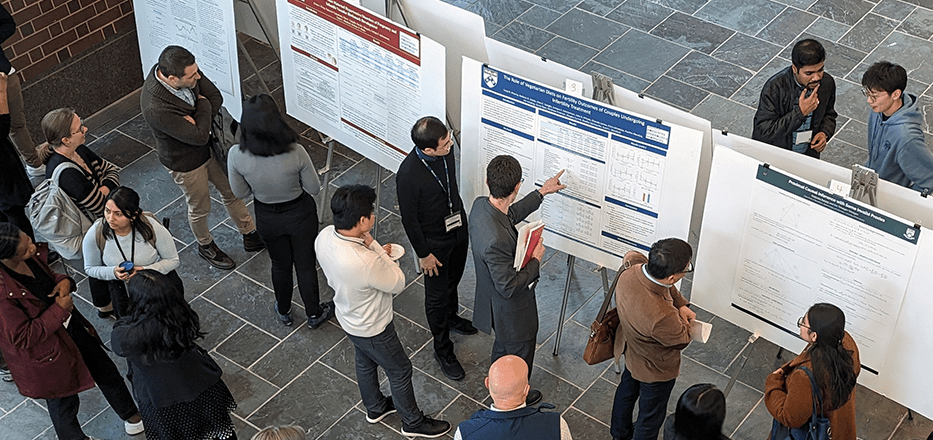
pixel 80 127
pixel 801 324
pixel 872 97
pixel 689 268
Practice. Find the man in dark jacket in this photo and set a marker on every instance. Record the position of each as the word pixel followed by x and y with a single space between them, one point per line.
pixel 178 103
pixel 432 214
pixel 505 298
pixel 796 109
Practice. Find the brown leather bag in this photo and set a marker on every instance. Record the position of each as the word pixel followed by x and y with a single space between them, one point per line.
pixel 603 329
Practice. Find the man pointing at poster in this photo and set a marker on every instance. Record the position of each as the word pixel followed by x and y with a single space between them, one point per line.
pixel 505 298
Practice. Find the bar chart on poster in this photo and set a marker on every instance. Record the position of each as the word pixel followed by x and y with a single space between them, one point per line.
pixel 358 77
pixel 207 28
pixel 630 179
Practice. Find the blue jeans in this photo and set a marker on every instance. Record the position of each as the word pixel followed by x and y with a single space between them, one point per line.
pixel 652 400
pixel 385 350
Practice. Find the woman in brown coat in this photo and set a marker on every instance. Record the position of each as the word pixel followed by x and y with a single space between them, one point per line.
pixel 832 356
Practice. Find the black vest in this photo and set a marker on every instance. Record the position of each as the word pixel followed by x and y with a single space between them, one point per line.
pixel 523 423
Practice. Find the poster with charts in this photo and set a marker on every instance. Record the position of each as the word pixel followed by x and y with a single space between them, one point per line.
pixel 630 179
pixel 207 28
pixel 358 77
pixel 804 245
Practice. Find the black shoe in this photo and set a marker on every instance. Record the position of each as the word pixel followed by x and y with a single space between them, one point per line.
pixel 429 428
pixel 53 256
pixel 252 242
pixel 463 326
pixel 450 366
pixel 108 314
pixel 215 256
pixel 327 312
pixel 286 318
pixel 533 397
pixel 372 417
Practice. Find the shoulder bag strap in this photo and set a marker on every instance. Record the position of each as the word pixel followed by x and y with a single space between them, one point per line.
pixel 610 294
pixel 57 174
pixel 817 393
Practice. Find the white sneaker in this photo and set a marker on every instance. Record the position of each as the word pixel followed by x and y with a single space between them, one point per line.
pixel 36 172
pixel 133 428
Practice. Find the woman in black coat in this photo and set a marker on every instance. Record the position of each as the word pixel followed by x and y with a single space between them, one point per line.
pixel 176 383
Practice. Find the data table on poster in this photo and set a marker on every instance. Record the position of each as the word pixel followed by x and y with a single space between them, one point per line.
pixel 358 77
pixel 615 163
pixel 804 245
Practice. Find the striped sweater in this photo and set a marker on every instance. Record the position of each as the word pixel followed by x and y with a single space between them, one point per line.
pixel 82 187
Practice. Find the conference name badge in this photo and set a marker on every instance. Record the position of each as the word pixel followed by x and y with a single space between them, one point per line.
pixel 453 221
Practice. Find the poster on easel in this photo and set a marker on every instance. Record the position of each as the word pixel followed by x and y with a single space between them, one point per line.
pixel 207 28
pixel 630 179
pixel 357 76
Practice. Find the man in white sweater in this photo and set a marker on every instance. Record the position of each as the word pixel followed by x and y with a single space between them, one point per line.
pixel 364 277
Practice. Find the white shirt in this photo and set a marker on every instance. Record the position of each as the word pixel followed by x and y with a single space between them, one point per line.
pixel 363 279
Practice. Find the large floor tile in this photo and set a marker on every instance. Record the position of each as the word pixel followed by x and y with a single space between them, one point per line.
pixel 748 52
pixel 897 44
pixel 249 390
pixel 353 426
pixel 253 303
pixel 247 345
pixel 710 74
pixel 569 363
pixel 151 180
pixel 785 28
pixel 566 52
pixel 619 78
pixel 627 55
pixel 726 115
pixel 697 34
pixel 845 11
pixel 586 28
pixel 499 12
pixel 538 16
pixel 524 36
pixel 640 14
pixel 869 31
pixel 118 148
pixel 297 352
pixel 739 15
pixel 676 93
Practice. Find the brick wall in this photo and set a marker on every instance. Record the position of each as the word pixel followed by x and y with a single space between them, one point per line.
pixel 49 32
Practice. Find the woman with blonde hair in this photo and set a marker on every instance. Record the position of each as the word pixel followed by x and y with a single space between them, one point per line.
pixel 290 432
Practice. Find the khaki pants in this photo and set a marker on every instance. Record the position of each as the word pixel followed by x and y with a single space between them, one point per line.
pixel 194 184
pixel 19 134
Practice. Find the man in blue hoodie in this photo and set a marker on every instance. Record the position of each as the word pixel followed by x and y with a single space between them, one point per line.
pixel 896 150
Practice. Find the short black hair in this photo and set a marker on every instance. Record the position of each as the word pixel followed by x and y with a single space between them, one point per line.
pixel 263 130
pixel 668 257
pixel 9 240
pixel 807 53
pixel 502 174
pixel 700 413
pixel 427 132
pixel 350 203
pixel 174 60
pixel 885 75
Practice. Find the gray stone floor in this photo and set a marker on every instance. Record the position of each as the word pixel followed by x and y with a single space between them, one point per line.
pixel 706 57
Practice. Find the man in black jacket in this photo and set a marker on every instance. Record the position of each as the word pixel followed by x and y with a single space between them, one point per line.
pixel 178 103
pixel 432 214
pixel 796 109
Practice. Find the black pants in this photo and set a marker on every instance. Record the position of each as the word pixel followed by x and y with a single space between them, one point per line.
pixel 17 216
pixel 288 230
pixel 64 411
pixel 441 300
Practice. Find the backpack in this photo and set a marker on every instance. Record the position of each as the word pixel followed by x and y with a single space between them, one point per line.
pixel 225 133
pixel 55 217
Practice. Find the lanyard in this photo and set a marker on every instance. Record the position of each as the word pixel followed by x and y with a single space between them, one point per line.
pixel 450 202
pixel 132 246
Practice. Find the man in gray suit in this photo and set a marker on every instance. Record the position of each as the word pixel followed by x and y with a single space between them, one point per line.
pixel 505 298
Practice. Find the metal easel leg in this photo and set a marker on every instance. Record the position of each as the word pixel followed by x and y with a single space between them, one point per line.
pixel 379 174
pixel 563 307
pixel 743 359
pixel 327 177
pixel 249 59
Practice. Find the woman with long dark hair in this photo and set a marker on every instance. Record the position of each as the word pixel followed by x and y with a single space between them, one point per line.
pixel 52 351
pixel 269 164
pixel 832 356
pixel 176 382
pixel 127 234
pixel 700 412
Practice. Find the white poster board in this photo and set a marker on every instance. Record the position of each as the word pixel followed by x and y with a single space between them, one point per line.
pixel 630 180
pixel 207 28
pixel 358 77
pixel 831 255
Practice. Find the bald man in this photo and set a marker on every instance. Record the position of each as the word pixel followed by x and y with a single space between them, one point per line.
pixel 508 417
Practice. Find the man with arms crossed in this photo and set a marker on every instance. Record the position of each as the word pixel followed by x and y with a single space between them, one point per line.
pixel 896 149
pixel 505 298
pixel 508 417
pixel 179 103
pixel 796 109
pixel 432 214
pixel 654 326
pixel 364 278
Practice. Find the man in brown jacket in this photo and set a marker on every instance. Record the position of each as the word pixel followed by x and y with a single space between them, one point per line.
pixel 654 326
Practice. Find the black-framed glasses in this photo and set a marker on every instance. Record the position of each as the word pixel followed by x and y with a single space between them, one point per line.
pixel 801 324
pixel 689 268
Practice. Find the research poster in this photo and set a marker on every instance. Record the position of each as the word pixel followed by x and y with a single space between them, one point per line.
pixel 804 245
pixel 628 177
pixel 207 28
pixel 358 77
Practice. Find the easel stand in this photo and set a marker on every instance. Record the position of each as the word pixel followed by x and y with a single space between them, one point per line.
pixel 245 54
pixel 743 359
